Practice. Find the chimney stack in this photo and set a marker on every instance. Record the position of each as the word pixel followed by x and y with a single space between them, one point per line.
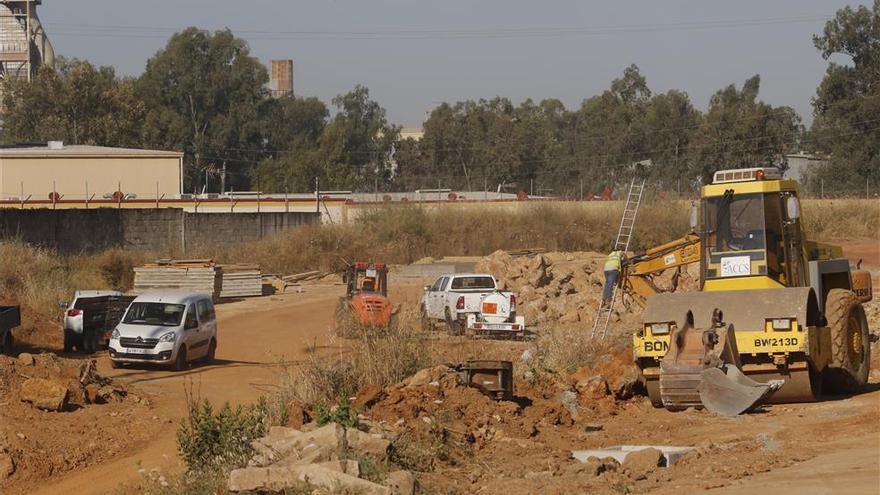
pixel 281 83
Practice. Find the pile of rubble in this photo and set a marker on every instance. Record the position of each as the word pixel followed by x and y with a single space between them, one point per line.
pixel 563 288
pixel 326 457
pixel 50 383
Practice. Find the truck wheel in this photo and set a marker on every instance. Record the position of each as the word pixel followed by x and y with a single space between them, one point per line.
pixel 89 343
pixel 6 343
pixel 455 327
pixel 180 363
pixel 423 319
pixel 345 320
pixel 850 345
pixel 68 341
pixel 212 351
pixel 115 364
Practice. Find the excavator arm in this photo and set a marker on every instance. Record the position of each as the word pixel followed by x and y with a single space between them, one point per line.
pixel 639 271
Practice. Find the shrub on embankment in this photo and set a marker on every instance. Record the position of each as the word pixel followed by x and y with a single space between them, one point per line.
pixel 38 279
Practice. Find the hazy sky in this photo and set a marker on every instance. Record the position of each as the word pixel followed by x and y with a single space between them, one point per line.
pixel 414 54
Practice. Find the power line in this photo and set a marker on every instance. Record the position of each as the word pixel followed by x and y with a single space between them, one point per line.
pixel 134 31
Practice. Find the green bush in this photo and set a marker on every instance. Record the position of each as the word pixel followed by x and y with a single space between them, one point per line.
pixel 342 414
pixel 210 441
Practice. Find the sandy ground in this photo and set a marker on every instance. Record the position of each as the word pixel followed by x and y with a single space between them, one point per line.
pixel 827 447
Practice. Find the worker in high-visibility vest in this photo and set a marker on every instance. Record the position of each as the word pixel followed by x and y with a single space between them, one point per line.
pixel 612 273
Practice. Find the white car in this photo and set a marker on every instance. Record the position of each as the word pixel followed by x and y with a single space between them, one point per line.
pixel 166 328
pixel 455 297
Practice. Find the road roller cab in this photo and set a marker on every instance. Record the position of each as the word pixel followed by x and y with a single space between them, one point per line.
pixel 795 305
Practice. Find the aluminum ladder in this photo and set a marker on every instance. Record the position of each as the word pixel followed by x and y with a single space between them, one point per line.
pixel 624 234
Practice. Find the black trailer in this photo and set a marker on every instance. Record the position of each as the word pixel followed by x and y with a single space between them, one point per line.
pixel 91 320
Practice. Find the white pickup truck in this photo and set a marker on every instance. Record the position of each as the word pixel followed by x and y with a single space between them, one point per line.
pixel 471 302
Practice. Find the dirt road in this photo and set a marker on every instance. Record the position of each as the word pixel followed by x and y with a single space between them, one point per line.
pixel 255 337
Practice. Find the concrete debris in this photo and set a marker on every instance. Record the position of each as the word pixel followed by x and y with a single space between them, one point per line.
pixel 596 466
pixel 44 394
pixel 367 444
pixel 401 483
pixel 286 457
pixel 346 467
pixel 7 466
pixel 26 359
pixel 639 464
pixel 569 400
pixel 669 455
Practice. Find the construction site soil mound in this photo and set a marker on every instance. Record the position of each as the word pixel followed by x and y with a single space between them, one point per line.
pixel 59 414
pixel 461 441
pixel 566 288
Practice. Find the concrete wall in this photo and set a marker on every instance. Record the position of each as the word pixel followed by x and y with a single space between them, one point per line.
pixel 208 229
pixel 165 230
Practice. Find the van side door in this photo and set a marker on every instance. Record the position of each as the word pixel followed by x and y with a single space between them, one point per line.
pixel 191 334
pixel 207 320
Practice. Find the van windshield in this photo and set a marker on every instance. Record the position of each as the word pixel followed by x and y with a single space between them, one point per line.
pixel 147 313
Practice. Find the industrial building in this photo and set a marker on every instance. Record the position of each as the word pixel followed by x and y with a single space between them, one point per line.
pixel 24 46
pixel 58 171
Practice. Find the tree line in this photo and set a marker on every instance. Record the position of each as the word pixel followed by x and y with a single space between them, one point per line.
pixel 206 95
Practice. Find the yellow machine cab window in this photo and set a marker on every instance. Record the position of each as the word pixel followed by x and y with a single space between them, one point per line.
pixel 744 236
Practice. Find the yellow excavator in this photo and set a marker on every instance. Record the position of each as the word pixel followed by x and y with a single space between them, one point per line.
pixel 778 318
pixel 638 272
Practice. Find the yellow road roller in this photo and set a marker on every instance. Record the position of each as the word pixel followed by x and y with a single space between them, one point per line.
pixel 778 317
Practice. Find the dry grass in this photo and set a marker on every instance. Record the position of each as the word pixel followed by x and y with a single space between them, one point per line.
pixel 842 219
pixel 405 233
pixel 375 358
pixel 566 349
pixel 39 279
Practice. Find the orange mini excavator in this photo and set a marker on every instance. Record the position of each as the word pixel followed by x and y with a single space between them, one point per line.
pixel 366 304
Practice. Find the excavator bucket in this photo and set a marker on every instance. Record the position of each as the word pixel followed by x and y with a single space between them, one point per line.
pixel 726 391
pixel 702 369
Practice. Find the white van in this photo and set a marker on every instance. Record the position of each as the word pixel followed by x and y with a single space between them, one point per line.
pixel 166 328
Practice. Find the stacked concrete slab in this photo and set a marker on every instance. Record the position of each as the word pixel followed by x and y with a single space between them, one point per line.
pixel 204 276
pixel 184 275
pixel 240 281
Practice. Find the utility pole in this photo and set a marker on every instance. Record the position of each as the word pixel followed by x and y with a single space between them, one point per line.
pixel 223 179
pixel 317 198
